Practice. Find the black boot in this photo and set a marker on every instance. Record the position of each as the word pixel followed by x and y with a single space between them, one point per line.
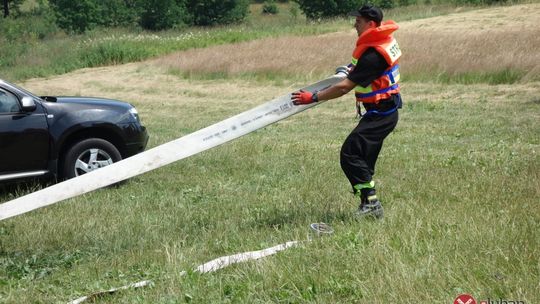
pixel 370 204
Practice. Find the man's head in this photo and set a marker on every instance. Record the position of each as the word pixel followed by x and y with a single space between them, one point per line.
pixel 367 16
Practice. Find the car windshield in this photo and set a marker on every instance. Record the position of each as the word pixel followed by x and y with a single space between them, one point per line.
pixel 20 89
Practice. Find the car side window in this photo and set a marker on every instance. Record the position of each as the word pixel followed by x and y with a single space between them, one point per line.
pixel 8 102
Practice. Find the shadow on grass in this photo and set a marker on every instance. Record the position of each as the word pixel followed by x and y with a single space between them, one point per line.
pixel 279 218
pixel 13 189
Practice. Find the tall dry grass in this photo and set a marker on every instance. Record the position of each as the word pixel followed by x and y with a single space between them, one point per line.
pixel 284 55
pixel 484 41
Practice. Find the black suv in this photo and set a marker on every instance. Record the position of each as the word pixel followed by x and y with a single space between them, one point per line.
pixel 63 136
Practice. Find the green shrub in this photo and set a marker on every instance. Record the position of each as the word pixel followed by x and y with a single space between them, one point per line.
pixel 315 9
pixel 270 7
pixel 76 16
pixel 294 9
pixel 13 7
pixel 112 52
pixel 385 4
pixel 119 12
pixel 407 2
pixel 263 1
pixel 82 15
pixel 214 12
pixel 24 28
pixel 163 14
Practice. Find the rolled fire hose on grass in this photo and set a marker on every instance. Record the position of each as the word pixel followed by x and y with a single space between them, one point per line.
pixel 319 229
pixel 211 266
pixel 196 142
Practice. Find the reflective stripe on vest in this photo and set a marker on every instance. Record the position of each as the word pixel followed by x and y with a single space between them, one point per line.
pixel 392 74
pixel 371 94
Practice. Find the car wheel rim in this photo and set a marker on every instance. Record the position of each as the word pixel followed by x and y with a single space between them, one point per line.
pixel 90 160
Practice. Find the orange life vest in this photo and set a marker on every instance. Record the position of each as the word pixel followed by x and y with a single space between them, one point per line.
pixel 379 38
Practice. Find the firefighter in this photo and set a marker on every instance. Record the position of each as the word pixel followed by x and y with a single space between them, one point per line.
pixel 374 75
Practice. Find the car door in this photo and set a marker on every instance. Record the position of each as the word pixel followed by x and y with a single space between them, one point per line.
pixel 24 136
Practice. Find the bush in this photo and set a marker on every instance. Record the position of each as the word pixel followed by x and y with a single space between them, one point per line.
pixel 27 28
pixel 112 52
pixel 263 1
pixel 213 12
pixel 163 14
pixel 82 15
pixel 270 7
pixel 385 4
pixel 119 12
pixel 24 26
pixel 76 16
pixel 13 7
pixel 408 2
pixel 316 9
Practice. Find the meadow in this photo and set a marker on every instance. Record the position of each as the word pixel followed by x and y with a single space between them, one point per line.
pixel 34 47
pixel 459 178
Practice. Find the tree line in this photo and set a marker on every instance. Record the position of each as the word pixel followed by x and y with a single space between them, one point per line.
pixel 82 15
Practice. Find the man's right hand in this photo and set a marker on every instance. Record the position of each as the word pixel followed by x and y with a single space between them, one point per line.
pixel 303 97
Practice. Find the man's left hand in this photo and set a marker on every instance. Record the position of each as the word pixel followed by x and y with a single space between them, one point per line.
pixel 303 97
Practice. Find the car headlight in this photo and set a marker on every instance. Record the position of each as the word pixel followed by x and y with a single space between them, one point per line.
pixel 135 114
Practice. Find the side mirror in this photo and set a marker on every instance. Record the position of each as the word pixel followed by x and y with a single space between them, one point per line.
pixel 28 104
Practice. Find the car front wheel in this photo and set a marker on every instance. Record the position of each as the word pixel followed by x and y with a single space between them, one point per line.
pixel 89 155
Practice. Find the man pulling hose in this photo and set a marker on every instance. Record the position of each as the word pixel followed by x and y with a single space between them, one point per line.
pixel 374 74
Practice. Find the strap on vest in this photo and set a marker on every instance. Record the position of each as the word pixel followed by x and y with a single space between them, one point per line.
pixel 385 113
pixel 370 94
pixel 390 74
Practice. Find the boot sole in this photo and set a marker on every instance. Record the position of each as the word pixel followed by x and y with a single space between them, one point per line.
pixel 376 213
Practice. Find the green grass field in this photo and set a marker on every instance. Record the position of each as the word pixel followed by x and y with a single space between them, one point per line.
pixel 459 180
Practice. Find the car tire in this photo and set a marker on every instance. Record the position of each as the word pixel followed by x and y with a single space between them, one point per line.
pixel 89 155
